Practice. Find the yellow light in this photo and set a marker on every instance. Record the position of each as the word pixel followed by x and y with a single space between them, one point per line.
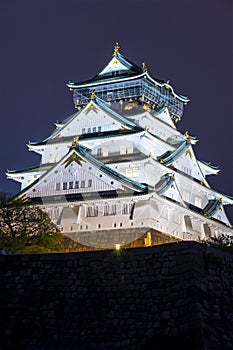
pixel 117 246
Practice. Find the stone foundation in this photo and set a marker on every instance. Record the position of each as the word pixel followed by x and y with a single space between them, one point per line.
pixel 172 296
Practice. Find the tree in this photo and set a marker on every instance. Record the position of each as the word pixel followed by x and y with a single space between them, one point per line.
pixel 25 228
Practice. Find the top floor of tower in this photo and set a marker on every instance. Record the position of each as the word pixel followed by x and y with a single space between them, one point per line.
pixel 129 88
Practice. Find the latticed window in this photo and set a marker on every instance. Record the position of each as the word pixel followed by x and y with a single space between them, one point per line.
pixel 64 185
pixel 110 209
pixel 126 208
pixel 92 211
pixel 70 184
pixel 76 185
pixel 58 186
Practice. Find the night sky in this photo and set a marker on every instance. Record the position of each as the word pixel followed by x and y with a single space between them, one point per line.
pixel 46 43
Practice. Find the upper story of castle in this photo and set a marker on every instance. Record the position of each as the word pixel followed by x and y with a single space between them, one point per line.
pixel 128 87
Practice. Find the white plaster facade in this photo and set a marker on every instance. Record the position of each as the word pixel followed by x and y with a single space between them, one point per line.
pixel 124 171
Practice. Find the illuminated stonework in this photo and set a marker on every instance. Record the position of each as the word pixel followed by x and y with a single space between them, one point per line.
pixel 119 163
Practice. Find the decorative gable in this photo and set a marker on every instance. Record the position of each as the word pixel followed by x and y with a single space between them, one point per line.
pixel 73 175
pixel 113 66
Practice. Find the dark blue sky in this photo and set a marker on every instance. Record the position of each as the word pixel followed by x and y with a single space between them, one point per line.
pixel 48 42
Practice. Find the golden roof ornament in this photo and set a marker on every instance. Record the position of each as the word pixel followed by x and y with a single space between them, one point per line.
pixel 75 142
pixel 116 49
pixel 93 94
pixel 144 67
pixel 186 135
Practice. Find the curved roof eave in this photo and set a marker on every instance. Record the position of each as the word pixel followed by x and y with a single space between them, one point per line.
pixel 120 79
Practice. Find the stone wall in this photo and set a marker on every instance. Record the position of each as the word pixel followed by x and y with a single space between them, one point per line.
pixel 172 296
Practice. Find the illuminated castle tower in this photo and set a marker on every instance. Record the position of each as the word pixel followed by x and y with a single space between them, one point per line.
pixel 119 164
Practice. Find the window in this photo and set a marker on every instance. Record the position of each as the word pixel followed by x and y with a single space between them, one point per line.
pixel 198 202
pixel 126 208
pixel 105 151
pixel 51 158
pixel 58 186
pixel 186 170
pixel 110 209
pixel 89 183
pixel 99 151
pixel 94 129
pixel 83 131
pixel 99 226
pixel 186 196
pixel 89 130
pixel 76 185
pixel 99 128
pixel 122 149
pixel 132 172
pixel 82 184
pixel 64 185
pixel 92 211
pixel 70 184
pixel 130 148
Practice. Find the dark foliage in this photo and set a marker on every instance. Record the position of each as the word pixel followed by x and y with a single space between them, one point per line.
pixel 25 228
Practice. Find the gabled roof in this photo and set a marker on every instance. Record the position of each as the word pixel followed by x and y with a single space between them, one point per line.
pixel 95 103
pixel 120 68
pixel 119 65
pixel 80 153
pixel 170 157
pixel 163 115
pixel 207 168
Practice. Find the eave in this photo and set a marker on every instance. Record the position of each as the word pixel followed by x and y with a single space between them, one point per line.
pixel 92 83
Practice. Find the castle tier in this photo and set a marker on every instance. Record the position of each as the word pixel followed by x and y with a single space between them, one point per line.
pixel 119 164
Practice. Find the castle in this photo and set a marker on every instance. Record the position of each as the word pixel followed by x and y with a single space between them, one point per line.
pixel 119 164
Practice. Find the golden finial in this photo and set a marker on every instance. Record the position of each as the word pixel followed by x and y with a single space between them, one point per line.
pixel 75 142
pixel 93 94
pixel 116 49
pixel 142 98
pixel 144 67
pixel 186 135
